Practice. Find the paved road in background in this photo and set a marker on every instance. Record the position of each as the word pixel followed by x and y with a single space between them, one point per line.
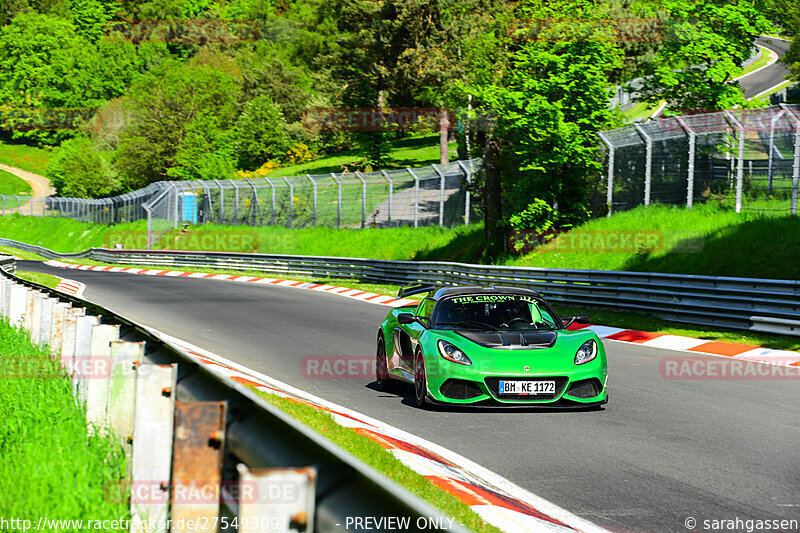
pixel 661 450
pixel 770 76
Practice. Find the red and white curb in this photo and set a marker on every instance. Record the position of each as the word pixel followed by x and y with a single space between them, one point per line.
pixel 745 352
pixel 356 294
pixel 656 340
pixel 495 499
pixel 71 287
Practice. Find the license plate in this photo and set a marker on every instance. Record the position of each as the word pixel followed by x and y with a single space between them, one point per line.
pixel 519 387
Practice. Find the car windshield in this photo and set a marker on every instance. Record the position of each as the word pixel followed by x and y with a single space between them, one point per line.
pixel 493 312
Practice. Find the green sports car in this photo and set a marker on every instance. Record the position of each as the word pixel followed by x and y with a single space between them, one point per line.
pixel 489 346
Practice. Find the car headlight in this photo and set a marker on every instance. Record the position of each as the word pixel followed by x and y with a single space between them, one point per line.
pixel 586 352
pixel 451 353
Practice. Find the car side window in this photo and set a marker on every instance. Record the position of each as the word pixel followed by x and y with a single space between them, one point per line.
pixel 425 308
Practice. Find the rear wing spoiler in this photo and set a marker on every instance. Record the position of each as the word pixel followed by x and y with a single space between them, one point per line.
pixel 415 289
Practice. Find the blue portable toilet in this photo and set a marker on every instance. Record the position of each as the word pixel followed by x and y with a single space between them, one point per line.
pixel 187 207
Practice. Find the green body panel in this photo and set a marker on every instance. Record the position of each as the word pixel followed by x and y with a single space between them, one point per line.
pixel 556 361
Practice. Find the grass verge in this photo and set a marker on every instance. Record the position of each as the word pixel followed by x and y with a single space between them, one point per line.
pixel 374 455
pixel 51 466
pixel 26 157
pixel 11 185
pixel 37 277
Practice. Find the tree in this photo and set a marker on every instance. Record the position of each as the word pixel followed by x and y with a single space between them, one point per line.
pixel 260 133
pixel 78 170
pixel 701 54
pixel 177 114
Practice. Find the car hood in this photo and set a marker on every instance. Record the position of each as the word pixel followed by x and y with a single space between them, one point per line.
pixel 525 340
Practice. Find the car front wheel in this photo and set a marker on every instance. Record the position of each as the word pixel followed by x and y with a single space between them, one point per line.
pixel 420 380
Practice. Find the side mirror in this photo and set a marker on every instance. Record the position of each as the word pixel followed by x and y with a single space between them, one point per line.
pixel 406 318
pixel 582 318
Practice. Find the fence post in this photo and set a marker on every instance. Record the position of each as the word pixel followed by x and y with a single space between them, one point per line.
pixel 314 184
pixel 272 209
pixel 291 199
pixel 236 200
pixel 255 197
pixel 363 198
pixel 221 201
pixel 739 159
pixel 338 200
pixel 416 196
pixel 610 186
pixel 441 194
pixel 692 142
pixel 796 162
pixel 388 178
pixel 468 178
pixel 648 162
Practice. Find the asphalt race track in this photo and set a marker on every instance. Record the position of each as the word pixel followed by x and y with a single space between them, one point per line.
pixel 661 451
pixel 770 76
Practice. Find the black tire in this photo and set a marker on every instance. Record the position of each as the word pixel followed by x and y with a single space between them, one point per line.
pixel 420 381
pixel 381 367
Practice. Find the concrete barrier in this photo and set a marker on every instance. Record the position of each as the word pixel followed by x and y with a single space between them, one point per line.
pixel 99 366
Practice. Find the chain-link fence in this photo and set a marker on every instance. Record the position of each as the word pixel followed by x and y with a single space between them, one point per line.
pixel 432 195
pixel 750 158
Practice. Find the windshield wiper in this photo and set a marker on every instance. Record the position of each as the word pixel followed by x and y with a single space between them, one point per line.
pixel 468 323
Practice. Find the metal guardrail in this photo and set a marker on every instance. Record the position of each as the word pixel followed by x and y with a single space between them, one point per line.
pixel 258 434
pixel 765 305
pixel 8 264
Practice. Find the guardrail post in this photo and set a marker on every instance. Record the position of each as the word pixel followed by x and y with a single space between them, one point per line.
pixel 122 390
pixel 282 514
pixel 648 170
pixel 291 199
pixel 740 159
pixel 45 321
pixel 68 338
pixel 97 381
pixel 151 460
pixel 416 196
pixel 56 336
pixel 197 461
pixel 363 198
pixel 338 200
pixel 314 184
pixel 82 358
pixel 441 194
pixel 17 305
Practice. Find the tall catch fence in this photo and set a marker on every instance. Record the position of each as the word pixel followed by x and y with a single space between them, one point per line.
pixel 425 196
pixel 749 158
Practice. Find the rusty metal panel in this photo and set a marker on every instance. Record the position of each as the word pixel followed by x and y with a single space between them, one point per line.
pixel 153 419
pixel 30 298
pixel 56 334
pixel 276 499
pixel 125 356
pixel 96 371
pixel 197 466
pixel 33 325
